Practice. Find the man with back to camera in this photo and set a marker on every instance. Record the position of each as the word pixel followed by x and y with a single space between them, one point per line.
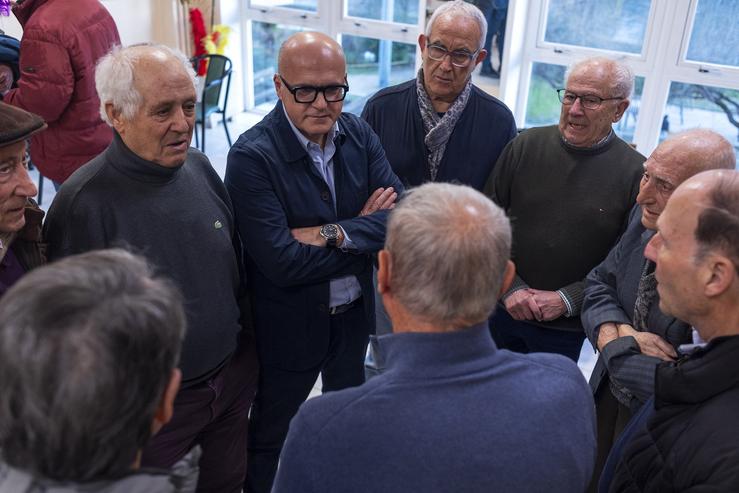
pixel 621 314
pixel 311 187
pixel 439 126
pixel 686 438
pixel 451 412
pixel 568 190
pixel 21 248
pixel 152 192
pixel 89 348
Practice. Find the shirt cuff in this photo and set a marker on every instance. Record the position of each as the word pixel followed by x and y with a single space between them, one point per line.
pixel 347 244
pixel 568 305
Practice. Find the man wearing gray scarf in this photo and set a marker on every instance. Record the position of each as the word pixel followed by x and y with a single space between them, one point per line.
pixel 439 126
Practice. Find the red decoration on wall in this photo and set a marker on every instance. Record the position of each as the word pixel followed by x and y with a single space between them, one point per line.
pixel 198 33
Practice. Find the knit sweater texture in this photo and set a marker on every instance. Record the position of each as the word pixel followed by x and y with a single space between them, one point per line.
pixel 180 219
pixel 568 207
pixel 451 413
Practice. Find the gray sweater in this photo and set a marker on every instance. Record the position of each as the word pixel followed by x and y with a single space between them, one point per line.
pixel 180 219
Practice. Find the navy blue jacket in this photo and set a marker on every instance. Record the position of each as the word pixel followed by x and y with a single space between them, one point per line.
pixel 451 413
pixel 275 187
pixel 482 131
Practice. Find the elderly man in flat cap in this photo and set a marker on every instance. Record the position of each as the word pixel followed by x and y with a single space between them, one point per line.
pixel 20 216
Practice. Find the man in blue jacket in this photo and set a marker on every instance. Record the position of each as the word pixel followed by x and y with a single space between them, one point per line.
pixel 451 412
pixel 311 187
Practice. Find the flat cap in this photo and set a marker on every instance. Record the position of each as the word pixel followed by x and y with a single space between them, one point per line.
pixel 17 124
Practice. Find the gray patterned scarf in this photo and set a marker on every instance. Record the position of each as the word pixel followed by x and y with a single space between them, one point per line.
pixel 645 295
pixel 439 128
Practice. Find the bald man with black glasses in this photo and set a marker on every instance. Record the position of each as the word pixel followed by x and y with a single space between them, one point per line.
pixel 311 189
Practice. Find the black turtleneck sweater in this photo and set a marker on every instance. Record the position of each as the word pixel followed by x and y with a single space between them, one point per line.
pixel 180 219
pixel 567 206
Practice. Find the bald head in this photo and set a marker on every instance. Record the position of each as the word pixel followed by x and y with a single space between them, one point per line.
pixel 314 63
pixel 697 150
pixel 674 161
pixel 696 252
pixel 309 50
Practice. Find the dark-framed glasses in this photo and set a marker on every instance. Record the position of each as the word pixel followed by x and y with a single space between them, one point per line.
pixel 308 94
pixel 459 58
pixel 588 101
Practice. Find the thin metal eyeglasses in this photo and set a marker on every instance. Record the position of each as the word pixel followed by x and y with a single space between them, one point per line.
pixel 459 59
pixel 308 94
pixel 588 101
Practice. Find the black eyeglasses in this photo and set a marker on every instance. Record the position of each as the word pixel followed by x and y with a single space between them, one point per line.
pixel 587 100
pixel 459 58
pixel 308 94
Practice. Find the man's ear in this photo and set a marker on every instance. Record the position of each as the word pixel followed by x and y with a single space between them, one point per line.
pixel 383 271
pixel 480 56
pixel 508 275
pixel 115 117
pixel 621 108
pixel 278 85
pixel 422 42
pixel 721 275
pixel 166 405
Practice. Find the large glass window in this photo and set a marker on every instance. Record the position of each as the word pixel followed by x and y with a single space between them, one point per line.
pixel 543 106
pixel 266 41
pixel 715 18
pixel 693 105
pixel 603 24
pixel 373 64
pixel 404 11
pixel 309 5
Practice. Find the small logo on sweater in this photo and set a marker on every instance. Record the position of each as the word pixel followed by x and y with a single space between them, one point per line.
pixel 217 224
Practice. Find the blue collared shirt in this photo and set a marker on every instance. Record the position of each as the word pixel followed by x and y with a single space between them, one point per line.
pixel 343 289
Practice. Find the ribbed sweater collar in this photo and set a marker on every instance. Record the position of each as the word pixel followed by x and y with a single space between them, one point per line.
pixel 135 167
pixel 601 146
pixel 429 354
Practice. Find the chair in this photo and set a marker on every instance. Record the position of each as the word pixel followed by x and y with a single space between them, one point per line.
pixel 219 69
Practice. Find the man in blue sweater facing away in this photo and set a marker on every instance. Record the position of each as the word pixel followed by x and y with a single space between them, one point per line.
pixel 451 412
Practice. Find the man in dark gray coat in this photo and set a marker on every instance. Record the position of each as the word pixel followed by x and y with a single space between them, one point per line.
pixel 621 314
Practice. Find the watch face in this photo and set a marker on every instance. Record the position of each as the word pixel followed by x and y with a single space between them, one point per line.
pixel 330 231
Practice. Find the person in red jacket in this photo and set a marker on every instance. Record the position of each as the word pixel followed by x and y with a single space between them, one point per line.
pixel 62 41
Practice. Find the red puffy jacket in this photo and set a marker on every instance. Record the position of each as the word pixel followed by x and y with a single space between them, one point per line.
pixel 62 41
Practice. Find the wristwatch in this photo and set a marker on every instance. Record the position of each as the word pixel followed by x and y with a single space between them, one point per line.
pixel 330 232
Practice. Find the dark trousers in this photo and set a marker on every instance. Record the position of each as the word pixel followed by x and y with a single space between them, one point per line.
pixel 281 392
pixel 523 337
pixel 612 418
pixel 212 414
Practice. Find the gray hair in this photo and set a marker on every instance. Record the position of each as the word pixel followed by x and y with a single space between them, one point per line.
pixel 463 9
pixel 620 75
pixel 115 74
pixel 87 348
pixel 718 222
pixel 449 246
